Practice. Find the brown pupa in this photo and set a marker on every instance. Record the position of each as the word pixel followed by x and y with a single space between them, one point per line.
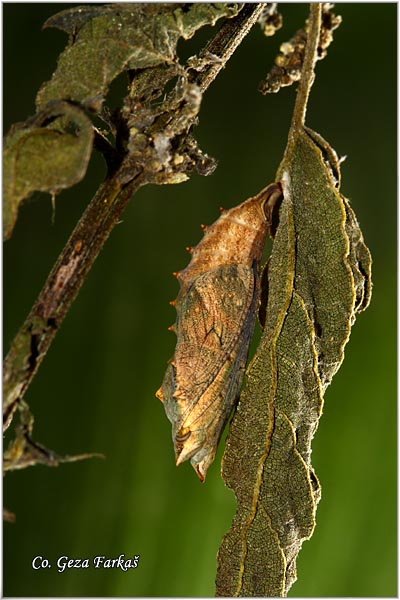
pixel 216 308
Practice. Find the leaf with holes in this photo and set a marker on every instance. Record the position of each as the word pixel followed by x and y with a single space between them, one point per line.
pixel 107 40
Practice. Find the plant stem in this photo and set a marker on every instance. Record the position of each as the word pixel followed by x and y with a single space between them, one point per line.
pixel 307 74
pixel 32 341
pixel 225 42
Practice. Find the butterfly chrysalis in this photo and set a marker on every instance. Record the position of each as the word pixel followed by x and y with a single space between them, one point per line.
pixel 216 308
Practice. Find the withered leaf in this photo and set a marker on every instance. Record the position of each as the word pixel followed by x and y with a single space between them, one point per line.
pixel 48 153
pixel 216 309
pixel 24 452
pixel 106 40
pixel 319 276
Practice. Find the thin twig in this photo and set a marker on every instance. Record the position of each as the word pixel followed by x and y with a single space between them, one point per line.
pixel 307 73
pixel 33 340
pixel 225 42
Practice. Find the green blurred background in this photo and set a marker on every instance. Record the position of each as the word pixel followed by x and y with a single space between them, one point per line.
pixel 95 389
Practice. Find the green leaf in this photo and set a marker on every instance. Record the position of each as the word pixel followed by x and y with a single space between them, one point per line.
pixel 48 153
pixel 106 40
pixel 319 276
